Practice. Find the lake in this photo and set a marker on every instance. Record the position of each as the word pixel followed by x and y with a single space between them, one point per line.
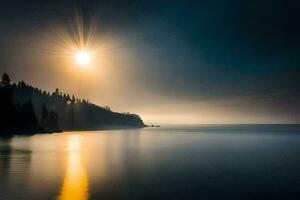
pixel 171 162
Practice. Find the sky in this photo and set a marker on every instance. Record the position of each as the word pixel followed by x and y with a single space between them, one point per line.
pixel 184 62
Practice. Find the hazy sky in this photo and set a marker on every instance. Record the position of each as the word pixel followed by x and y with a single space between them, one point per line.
pixel 169 61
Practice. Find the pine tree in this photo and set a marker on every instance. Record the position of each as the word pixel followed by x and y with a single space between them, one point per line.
pixel 5 79
pixel 44 112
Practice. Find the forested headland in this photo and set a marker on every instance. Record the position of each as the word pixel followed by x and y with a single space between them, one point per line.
pixel 25 109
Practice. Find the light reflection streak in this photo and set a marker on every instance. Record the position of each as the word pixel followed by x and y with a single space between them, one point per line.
pixel 75 184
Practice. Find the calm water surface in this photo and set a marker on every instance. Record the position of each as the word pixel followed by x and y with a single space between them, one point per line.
pixel 178 162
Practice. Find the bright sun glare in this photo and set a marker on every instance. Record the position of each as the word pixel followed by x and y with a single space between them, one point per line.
pixel 82 58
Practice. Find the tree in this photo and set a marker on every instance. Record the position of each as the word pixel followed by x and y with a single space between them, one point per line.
pixel 53 120
pixel 107 108
pixel 21 84
pixel 73 99
pixel 44 112
pixel 5 79
pixel 56 93
pixel 28 118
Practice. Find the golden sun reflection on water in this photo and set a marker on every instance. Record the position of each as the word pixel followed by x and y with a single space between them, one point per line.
pixel 75 184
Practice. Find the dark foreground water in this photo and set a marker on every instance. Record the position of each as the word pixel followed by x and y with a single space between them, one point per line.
pixel 183 162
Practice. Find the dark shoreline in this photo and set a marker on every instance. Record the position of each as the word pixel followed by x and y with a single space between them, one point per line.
pixel 5 133
pixel 28 110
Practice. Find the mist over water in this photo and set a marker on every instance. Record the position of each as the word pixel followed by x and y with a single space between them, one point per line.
pixel 173 162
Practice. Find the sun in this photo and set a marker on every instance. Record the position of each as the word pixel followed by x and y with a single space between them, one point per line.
pixel 83 58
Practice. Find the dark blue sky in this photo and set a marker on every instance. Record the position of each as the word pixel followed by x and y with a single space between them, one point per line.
pixel 245 52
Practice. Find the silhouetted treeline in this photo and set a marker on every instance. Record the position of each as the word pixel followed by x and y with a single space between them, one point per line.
pixel 24 108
